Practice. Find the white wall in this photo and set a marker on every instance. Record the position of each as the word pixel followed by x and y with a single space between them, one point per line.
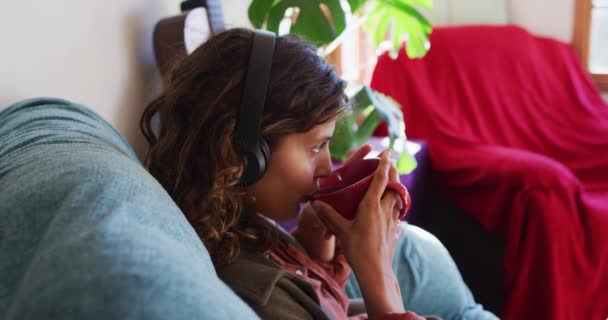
pixel 554 18
pixel 235 13
pixel 98 53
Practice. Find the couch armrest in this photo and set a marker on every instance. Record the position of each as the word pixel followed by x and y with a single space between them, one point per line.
pixel 87 233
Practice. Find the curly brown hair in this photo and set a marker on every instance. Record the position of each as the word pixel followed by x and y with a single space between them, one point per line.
pixel 193 156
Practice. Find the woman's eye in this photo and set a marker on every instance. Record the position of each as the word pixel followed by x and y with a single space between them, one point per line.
pixel 320 147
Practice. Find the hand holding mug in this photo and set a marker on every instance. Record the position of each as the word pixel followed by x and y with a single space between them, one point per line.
pixel 369 241
pixel 344 189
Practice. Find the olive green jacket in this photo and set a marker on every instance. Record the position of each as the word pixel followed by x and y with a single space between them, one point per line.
pixel 271 291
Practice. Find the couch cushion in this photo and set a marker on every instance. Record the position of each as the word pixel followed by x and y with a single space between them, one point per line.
pixel 87 233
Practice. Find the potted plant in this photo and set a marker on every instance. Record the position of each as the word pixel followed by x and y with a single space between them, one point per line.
pixel 323 22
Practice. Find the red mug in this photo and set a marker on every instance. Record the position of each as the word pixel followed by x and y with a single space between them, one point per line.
pixel 344 189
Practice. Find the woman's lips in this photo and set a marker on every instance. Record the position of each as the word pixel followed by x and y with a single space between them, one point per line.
pixel 315 189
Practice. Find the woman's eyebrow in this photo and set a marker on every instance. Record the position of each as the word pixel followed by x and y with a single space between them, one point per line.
pixel 324 138
pixel 318 139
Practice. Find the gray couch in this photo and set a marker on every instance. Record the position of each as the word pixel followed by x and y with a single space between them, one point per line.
pixel 87 233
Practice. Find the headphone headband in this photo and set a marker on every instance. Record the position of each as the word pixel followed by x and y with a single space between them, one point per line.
pixel 255 90
pixel 247 138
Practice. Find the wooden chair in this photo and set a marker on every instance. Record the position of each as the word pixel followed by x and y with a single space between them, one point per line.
pixel 174 37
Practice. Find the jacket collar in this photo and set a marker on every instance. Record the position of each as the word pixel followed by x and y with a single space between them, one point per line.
pixel 262 274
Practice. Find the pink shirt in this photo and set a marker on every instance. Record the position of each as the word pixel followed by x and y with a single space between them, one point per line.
pixel 327 279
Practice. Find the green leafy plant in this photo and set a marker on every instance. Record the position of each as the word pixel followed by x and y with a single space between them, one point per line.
pixel 399 18
pixel 311 21
pixel 375 108
pixel 405 20
pixel 323 22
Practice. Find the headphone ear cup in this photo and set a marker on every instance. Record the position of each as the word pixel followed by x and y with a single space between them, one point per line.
pixel 265 158
pixel 257 163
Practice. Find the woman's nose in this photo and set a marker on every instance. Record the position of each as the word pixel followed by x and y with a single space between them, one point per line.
pixel 325 166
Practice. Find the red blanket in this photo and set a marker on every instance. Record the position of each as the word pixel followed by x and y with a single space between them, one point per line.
pixel 518 137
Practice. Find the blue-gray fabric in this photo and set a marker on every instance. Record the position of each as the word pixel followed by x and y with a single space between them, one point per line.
pixel 429 279
pixel 87 233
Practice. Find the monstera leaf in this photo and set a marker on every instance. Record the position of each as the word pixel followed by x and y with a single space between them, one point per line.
pixel 399 18
pixel 310 22
pixel 370 108
pixel 404 22
pixel 355 5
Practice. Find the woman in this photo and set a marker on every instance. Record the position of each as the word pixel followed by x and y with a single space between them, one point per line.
pixel 195 159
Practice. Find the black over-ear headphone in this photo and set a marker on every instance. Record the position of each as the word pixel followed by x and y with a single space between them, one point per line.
pixel 247 138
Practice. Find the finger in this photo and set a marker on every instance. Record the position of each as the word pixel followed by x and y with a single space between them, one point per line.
pixel 394 240
pixel 378 184
pixel 400 232
pixel 393 226
pixel 332 219
pixel 305 211
pixel 309 220
pixel 359 153
pixel 391 205
pixel 306 208
pixel 309 212
pixel 393 173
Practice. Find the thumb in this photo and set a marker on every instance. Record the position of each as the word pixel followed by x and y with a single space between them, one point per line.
pixel 332 219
